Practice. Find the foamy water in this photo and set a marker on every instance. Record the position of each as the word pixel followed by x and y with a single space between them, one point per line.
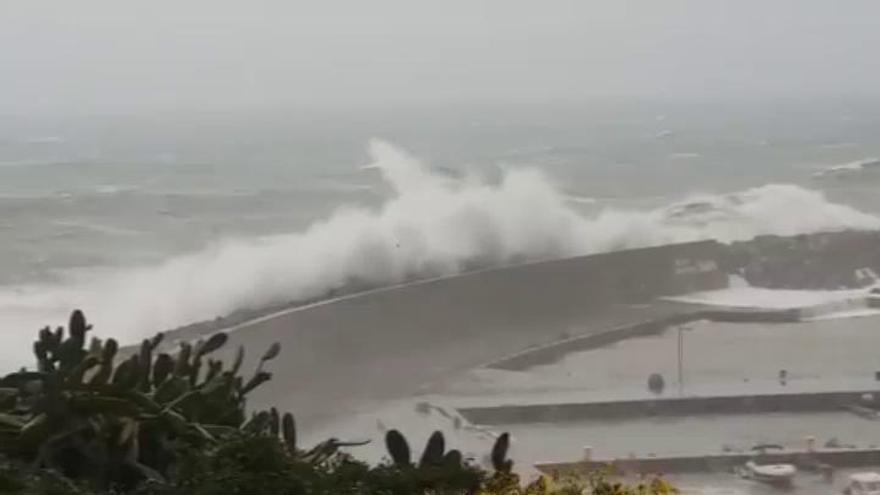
pixel 431 225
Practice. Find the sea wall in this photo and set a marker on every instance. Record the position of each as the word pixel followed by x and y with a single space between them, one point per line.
pixel 658 324
pixel 665 406
pixel 390 342
pixel 809 460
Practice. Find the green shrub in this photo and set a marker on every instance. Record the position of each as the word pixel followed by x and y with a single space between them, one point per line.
pixel 163 423
pixel 116 424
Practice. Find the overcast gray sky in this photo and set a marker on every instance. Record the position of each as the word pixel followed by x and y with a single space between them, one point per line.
pixel 95 55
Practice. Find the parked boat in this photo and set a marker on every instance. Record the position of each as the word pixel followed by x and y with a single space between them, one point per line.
pixel 863 483
pixel 774 474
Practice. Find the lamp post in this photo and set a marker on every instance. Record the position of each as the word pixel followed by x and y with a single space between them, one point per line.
pixel 681 330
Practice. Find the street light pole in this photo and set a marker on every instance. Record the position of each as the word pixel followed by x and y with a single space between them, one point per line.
pixel 681 330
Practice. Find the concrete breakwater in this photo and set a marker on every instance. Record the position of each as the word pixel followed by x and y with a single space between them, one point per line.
pixel 553 352
pixel 688 313
pixel 808 460
pixel 390 343
pixel 671 406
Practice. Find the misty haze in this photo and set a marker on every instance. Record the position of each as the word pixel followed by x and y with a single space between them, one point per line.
pixel 452 247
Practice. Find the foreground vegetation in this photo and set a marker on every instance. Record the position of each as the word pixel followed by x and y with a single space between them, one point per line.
pixel 93 419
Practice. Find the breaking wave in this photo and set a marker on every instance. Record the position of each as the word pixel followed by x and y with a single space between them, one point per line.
pixel 851 169
pixel 432 225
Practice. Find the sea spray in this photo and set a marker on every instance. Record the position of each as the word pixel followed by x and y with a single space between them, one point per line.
pixel 431 225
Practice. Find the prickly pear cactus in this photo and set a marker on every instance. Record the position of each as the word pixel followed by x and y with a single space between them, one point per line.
pixel 398 447
pixel 88 412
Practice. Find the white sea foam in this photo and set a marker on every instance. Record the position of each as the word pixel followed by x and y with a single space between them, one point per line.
pixel 684 155
pixel 757 297
pixel 583 200
pixel 432 225
pixel 848 169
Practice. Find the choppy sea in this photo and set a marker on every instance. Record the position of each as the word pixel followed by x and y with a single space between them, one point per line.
pixel 153 221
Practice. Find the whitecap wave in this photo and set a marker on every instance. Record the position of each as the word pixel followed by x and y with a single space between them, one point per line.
pixel 684 155
pixel 583 200
pixel 849 169
pixel 432 225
